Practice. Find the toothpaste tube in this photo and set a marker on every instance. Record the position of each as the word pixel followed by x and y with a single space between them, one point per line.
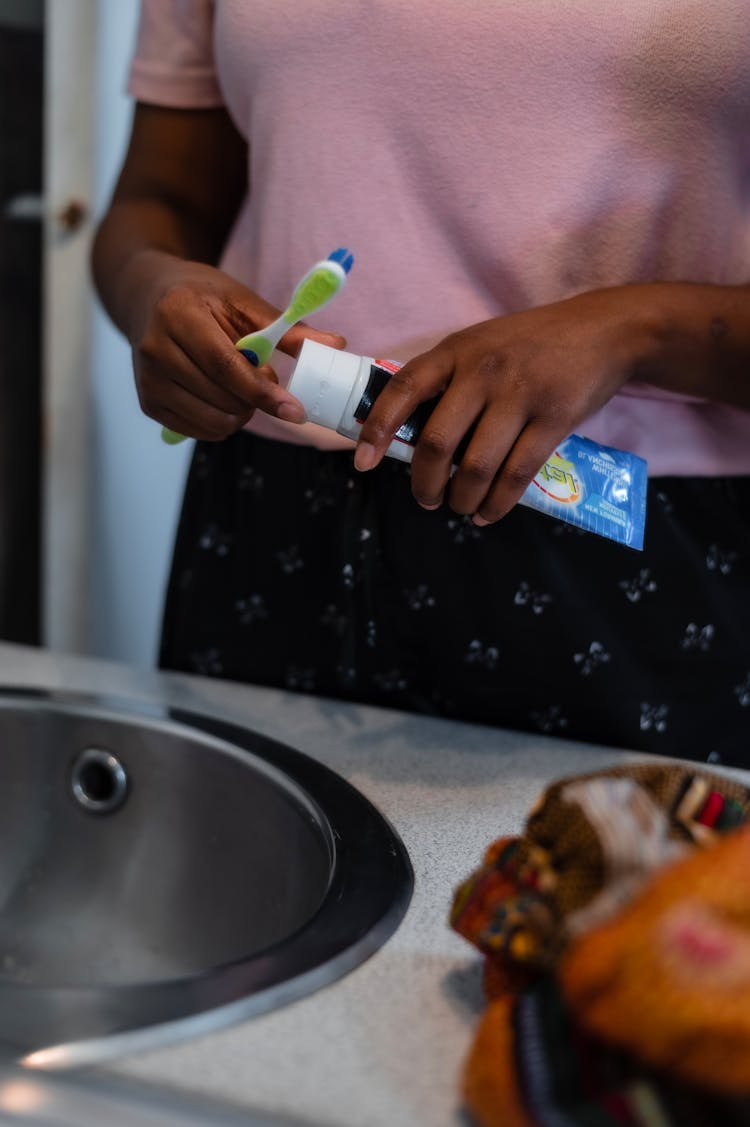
pixel 594 487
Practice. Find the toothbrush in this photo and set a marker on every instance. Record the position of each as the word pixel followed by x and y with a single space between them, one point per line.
pixel 321 283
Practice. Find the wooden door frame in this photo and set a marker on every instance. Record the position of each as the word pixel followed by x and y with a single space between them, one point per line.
pixel 69 121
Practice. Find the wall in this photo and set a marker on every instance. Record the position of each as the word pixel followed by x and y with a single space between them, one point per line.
pixel 137 480
pixel 22 13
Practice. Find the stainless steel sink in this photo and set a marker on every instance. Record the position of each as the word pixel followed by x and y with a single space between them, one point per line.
pixel 164 873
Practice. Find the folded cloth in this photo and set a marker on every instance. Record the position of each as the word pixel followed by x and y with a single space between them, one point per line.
pixel 590 843
pixel 668 978
pixel 531 1065
pixel 617 936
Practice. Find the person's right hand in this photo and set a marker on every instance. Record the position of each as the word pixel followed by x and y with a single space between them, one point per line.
pixel 188 374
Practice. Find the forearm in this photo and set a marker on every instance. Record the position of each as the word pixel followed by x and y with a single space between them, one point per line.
pixel 696 339
pixel 179 190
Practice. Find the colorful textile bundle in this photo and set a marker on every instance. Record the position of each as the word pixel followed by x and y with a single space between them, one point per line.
pixel 617 939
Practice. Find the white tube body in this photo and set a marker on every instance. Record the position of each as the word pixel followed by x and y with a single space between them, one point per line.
pixel 330 384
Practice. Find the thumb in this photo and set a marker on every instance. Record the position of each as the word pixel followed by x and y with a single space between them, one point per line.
pixel 291 342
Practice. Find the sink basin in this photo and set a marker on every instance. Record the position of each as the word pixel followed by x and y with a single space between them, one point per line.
pixel 164 873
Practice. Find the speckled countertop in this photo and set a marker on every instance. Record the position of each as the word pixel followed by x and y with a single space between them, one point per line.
pixel 383 1046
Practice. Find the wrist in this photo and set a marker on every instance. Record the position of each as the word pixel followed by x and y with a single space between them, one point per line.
pixel 644 330
pixel 691 338
pixel 628 327
pixel 667 326
pixel 144 276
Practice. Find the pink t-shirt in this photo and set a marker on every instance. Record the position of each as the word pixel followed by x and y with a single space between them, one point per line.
pixel 480 157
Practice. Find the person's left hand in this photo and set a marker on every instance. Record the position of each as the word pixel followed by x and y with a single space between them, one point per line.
pixel 524 382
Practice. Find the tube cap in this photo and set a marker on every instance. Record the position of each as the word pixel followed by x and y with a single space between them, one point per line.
pixel 322 380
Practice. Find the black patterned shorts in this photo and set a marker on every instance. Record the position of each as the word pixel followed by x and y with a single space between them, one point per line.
pixel 293 570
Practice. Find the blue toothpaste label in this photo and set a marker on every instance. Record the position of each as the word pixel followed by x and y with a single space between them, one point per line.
pixel 595 487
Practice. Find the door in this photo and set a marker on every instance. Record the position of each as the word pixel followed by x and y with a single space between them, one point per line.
pixel 69 121
pixel 21 117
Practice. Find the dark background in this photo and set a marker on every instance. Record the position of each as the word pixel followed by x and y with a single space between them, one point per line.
pixel 21 122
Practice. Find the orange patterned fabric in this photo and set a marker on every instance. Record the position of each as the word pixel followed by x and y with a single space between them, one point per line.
pixel 668 979
pixel 589 844
pixel 616 932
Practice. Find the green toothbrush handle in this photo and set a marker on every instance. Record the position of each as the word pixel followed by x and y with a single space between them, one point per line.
pixel 171 437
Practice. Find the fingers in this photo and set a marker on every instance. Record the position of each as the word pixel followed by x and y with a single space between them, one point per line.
pixel 480 447
pixel 481 457
pixel 517 454
pixel 292 342
pixel 192 419
pixel 203 409
pixel 230 372
pixel 188 374
pixel 435 454
pixel 422 378
pixel 188 368
pixel 204 341
pixel 503 454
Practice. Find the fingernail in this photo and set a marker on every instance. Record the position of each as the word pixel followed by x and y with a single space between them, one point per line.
pixel 364 456
pixel 430 508
pixel 480 522
pixel 291 413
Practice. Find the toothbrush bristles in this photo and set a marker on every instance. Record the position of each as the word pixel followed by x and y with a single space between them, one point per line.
pixel 344 258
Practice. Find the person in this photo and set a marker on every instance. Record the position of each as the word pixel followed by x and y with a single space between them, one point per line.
pixel 549 208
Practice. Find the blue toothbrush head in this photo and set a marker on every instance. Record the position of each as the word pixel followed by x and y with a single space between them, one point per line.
pixel 251 356
pixel 344 258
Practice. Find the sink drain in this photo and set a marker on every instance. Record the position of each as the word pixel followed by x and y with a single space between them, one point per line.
pixel 98 781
